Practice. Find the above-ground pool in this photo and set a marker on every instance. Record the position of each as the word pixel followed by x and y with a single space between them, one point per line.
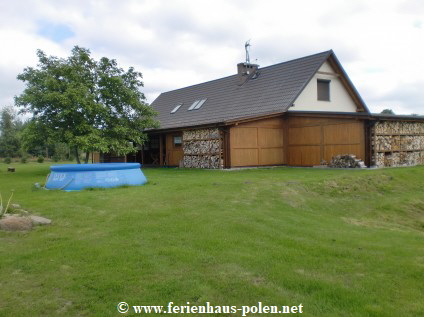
pixel 103 175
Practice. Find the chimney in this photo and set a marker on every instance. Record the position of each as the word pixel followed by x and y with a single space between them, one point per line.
pixel 246 71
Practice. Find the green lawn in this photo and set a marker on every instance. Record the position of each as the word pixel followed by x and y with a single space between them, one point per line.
pixel 339 242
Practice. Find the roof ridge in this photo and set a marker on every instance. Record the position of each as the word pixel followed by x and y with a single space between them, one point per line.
pixel 328 53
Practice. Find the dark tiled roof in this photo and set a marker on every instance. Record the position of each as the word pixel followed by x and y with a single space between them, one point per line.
pixel 275 89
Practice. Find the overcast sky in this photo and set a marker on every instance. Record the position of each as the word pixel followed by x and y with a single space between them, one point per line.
pixel 380 43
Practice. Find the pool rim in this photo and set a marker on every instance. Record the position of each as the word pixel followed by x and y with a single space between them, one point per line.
pixel 94 167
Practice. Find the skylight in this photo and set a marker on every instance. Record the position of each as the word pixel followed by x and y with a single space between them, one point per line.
pixel 201 102
pixel 176 108
pixel 193 105
pixel 197 104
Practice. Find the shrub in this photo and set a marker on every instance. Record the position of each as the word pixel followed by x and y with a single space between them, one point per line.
pixel 7 160
pixel 40 159
pixel 56 158
pixel 24 159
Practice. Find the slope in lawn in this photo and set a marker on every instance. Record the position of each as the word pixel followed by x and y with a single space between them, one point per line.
pixel 342 243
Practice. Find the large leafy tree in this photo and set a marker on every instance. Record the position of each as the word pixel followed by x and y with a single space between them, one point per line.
pixel 90 105
pixel 9 132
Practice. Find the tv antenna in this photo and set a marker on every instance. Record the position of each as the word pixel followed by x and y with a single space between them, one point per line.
pixel 246 47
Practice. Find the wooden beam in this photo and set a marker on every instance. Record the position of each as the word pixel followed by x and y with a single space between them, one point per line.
pixel 328 73
pixel 286 140
pixel 253 118
pixel 227 147
pixel 161 150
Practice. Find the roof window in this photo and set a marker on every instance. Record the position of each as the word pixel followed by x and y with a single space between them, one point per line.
pixel 176 108
pixel 201 102
pixel 197 104
pixel 193 105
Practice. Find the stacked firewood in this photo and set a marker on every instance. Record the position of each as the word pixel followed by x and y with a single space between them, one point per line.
pixel 388 127
pixel 409 158
pixel 384 142
pixel 410 142
pixel 394 159
pixel 201 147
pixel 379 159
pixel 194 161
pixel 398 127
pixel 396 143
pixel 346 161
pixel 412 127
pixel 201 134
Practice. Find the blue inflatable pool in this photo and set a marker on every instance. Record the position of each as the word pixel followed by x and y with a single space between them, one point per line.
pixel 103 175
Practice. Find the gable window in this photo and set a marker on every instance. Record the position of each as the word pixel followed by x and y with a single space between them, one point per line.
pixel 323 86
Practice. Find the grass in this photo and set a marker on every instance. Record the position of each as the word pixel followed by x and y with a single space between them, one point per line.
pixel 341 243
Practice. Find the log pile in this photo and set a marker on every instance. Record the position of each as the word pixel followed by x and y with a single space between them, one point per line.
pixel 399 127
pixel 202 148
pixel 206 161
pixel 412 127
pixel 201 134
pixel 398 143
pixel 410 142
pixel 379 159
pixel 346 161
pixel 409 158
pixel 384 143
pixel 387 127
pixel 397 159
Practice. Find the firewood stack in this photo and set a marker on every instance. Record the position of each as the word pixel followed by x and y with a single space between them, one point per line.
pixel 202 148
pixel 398 143
pixel 346 161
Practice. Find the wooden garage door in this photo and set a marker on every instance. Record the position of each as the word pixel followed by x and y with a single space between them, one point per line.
pixel 312 140
pixel 257 143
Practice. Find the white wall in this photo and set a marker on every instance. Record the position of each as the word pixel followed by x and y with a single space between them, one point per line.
pixel 340 99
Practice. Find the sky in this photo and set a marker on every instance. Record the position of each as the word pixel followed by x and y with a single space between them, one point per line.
pixel 177 43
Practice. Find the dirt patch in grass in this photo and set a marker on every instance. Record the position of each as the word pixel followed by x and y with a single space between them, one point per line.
pixel 295 195
pixel 354 184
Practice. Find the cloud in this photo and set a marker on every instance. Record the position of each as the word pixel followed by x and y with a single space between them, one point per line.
pixel 182 42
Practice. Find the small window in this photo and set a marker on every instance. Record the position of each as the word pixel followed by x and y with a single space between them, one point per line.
pixel 178 141
pixel 323 89
pixel 176 108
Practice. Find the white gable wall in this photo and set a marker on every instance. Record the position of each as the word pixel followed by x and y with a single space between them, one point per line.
pixel 340 100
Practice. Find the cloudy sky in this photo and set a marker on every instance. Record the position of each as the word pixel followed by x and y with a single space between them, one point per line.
pixel 177 43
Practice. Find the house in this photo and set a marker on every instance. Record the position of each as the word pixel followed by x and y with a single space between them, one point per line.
pixel 297 113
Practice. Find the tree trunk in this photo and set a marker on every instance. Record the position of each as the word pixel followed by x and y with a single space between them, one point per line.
pixel 77 155
pixel 87 156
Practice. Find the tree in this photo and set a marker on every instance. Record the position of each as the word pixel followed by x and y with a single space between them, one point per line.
pixel 35 138
pixel 90 105
pixel 9 133
pixel 387 111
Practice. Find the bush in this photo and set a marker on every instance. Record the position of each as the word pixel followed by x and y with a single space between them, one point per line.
pixel 40 159
pixel 24 159
pixel 56 158
pixel 7 160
